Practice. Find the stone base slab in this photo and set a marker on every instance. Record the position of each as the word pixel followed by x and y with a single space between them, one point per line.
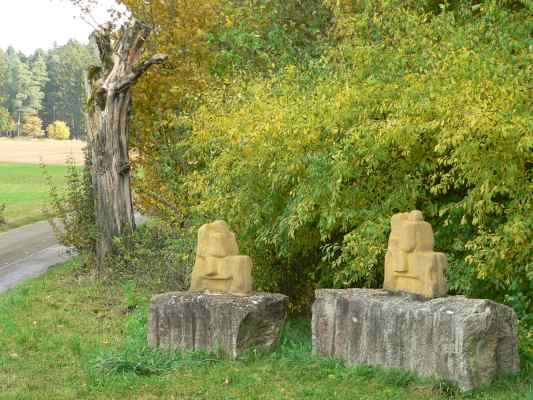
pixel 465 341
pixel 216 322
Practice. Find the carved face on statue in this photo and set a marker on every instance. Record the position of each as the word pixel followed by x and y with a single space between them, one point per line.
pixel 218 266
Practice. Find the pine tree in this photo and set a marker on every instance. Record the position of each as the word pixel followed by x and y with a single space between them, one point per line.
pixel 6 123
pixel 39 78
pixel 65 89
pixel 24 91
pixel 3 78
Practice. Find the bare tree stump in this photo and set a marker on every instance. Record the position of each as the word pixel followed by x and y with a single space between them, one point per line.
pixel 108 127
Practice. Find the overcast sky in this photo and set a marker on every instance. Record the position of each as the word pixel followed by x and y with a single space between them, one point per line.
pixel 28 25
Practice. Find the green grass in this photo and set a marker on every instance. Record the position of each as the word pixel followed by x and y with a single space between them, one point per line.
pixel 24 191
pixel 62 336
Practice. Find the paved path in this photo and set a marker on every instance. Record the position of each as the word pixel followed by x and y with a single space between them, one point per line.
pixel 31 266
pixel 27 252
pixel 30 251
pixel 24 241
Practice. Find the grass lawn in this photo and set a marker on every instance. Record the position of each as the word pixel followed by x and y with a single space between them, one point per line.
pixel 24 191
pixel 64 337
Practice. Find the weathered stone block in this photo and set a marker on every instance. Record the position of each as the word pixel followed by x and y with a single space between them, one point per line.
pixel 465 341
pixel 233 324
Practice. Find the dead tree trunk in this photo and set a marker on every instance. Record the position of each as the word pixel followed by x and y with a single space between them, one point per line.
pixel 108 116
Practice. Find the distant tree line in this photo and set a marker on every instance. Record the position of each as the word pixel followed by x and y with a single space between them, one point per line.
pixel 47 86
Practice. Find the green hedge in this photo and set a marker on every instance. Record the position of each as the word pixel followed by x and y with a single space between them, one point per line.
pixel 408 108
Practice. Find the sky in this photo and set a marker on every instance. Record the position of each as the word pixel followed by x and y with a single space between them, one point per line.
pixel 28 25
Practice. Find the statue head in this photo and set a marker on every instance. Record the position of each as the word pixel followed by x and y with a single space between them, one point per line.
pixel 415 216
pixel 397 221
pixel 216 240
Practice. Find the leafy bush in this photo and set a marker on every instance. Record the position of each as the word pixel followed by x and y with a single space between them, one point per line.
pixel 156 256
pixel 58 130
pixel 6 122
pixel 407 110
pixel 32 126
pixel 225 41
pixel 71 210
pixel 264 37
pixel 2 215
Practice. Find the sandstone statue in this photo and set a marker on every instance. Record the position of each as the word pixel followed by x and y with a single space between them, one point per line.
pixel 220 312
pixel 466 341
pixel 218 266
pixel 411 265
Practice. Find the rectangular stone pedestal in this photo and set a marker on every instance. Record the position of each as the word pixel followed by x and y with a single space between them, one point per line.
pixel 465 341
pixel 213 322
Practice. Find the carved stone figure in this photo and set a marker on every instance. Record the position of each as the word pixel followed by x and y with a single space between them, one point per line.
pixel 218 266
pixel 411 265
pixel 466 341
pixel 220 312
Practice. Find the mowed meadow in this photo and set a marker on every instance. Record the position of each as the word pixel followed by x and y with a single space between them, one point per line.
pixel 24 183
pixel 25 192
pixel 66 336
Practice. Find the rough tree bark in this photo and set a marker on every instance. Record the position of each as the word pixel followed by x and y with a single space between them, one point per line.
pixel 109 86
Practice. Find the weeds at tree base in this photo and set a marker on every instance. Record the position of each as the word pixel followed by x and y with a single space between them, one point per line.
pixel 3 220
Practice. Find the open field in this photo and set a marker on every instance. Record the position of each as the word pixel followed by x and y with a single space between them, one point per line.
pixel 64 337
pixel 34 151
pixel 24 191
pixel 23 188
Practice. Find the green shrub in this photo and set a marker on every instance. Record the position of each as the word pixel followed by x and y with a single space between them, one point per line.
pixel 3 220
pixel 262 37
pixel 58 130
pixel 71 210
pixel 407 110
pixel 157 257
pixel 6 121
